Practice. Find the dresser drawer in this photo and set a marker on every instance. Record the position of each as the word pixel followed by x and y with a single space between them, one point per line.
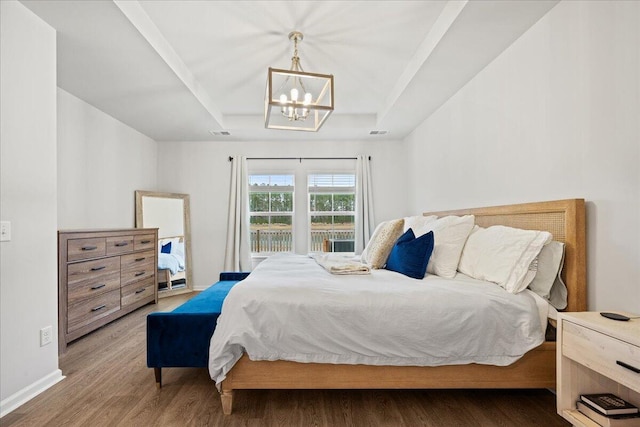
pixel 601 353
pixel 119 245
pixel 92 309
pixel 137 266
pixel 145 241
pixel 86 248
pixel 91 278
pixel 134 292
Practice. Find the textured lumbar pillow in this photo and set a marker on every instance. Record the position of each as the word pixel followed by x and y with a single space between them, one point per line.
pixel 381 242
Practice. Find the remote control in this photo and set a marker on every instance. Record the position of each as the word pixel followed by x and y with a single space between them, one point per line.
pixel 614 316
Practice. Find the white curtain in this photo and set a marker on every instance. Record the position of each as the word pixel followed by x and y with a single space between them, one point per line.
pixel 365 221
pixel 238 252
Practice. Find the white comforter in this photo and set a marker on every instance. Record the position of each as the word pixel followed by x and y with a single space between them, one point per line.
pixel 290 308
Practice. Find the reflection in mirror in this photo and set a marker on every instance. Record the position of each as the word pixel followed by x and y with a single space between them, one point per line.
pixel 169 212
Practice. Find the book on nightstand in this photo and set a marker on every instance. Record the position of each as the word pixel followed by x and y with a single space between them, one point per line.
pixel 609 404
pixel 624 420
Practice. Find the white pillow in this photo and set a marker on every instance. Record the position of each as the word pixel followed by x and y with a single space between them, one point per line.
pixel 449 235
pixel 558 296
pixel 502 255
pixel 177 249
pixel 418 224
pixel 547 283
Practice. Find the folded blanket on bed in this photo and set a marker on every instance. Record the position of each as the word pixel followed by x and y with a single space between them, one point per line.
pixel 339 264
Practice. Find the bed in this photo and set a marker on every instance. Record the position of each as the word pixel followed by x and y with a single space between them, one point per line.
pixel 564 219
pixel 171 263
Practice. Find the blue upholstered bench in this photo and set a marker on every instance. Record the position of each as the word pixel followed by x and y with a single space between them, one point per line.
pixel 180 338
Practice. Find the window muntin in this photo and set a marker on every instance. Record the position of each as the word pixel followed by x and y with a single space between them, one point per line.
pixel 271 213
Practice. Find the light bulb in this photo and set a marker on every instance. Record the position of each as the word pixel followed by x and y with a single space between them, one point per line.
pixel 283 99
pixel 307 98
pixel 294 94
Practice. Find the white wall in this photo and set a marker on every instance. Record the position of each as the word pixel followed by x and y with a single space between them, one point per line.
pixel 555 116
pixel 202 170
pixel 101 162
pixel 28 263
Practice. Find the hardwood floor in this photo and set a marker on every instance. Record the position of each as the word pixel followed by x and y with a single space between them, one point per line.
pixel 111 386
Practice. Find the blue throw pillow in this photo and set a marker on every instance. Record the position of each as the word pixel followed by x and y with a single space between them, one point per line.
pixel 166 248
pixel 410 255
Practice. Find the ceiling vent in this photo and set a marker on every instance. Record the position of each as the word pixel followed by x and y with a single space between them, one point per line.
pixel 378 132
pixel 220 132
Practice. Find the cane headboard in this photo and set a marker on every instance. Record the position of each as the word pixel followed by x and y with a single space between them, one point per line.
pixel 564 219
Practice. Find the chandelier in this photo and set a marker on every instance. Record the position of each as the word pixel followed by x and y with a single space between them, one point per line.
pixel 295 99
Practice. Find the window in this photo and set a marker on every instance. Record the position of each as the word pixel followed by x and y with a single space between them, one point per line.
pixel 301 207
pixel 332 206
pixel 271 213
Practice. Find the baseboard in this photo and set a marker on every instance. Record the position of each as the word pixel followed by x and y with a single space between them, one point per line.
pixel 29 392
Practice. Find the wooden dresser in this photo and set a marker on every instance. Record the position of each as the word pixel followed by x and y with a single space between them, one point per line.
pixel 103 275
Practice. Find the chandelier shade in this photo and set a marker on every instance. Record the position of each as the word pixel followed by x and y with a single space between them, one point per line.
pixel 295 99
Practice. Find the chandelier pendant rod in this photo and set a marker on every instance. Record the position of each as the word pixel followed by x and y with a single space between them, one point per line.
pixel 295 60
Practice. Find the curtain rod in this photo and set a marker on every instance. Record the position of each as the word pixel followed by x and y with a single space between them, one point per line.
pixel 300 158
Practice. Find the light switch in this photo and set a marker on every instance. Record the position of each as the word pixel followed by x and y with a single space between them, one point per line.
pixel 5 231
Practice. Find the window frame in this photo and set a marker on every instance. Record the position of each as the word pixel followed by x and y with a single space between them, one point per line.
pixel 269 189
pixel 332 190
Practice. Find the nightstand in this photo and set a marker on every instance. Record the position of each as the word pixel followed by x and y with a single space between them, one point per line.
pixel 596 355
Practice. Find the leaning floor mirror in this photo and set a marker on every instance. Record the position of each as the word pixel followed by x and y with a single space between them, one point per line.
pixel 169 212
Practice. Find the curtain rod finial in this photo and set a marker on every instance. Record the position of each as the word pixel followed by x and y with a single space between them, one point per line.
pixel 230 158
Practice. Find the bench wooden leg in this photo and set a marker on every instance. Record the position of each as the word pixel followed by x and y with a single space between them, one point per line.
pixel 158 373
pixel 226 396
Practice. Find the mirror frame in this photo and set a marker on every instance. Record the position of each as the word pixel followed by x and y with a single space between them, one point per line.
pixel 186 227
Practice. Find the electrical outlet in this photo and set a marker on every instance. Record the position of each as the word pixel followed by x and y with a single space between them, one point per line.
pixel 46 335
pixel 5 231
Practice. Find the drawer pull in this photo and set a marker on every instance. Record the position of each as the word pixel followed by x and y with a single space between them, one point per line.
pixel 93 288
pixel 100 307
pixel 139 291
pixel 89 248
pixel 629 367
pixel 145 242
pixel 119 244
pixel 98 268
pixel 140 259
pixel 140 273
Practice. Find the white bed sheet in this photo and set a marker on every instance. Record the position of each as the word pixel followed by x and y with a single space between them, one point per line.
pixel 290 308
pixel 169 262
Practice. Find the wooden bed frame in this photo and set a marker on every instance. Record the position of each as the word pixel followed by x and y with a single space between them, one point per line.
pixel 564 219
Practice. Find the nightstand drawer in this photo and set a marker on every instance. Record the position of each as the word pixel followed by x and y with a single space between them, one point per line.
pixel 602 353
